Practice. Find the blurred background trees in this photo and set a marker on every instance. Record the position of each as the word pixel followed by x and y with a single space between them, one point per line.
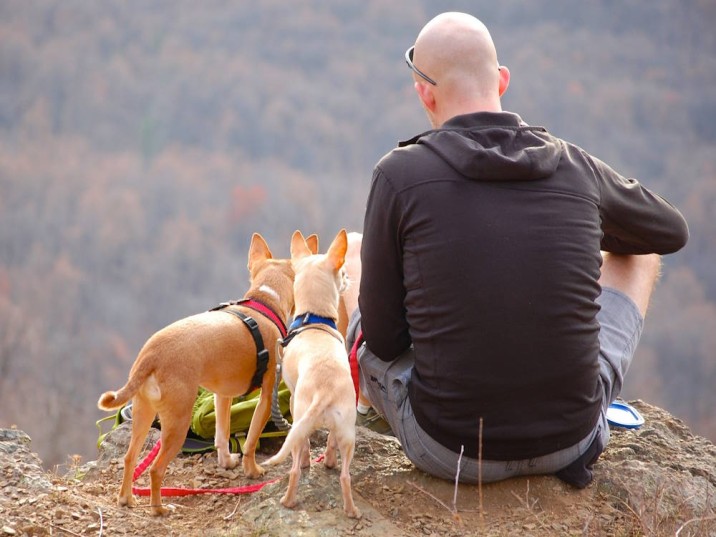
pixel 141 144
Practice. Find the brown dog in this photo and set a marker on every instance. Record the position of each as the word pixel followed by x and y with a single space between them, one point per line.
pixel 213 350
pixel 315 368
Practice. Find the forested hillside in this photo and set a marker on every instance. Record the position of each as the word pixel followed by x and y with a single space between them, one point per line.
pixel 142 143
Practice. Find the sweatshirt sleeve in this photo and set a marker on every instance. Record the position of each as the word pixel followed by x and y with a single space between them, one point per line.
pixel 634 219
pixel 382 293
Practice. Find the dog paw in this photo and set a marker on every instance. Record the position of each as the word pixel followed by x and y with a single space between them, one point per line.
pixel 330 460
pixel 229 462
pixel 126 501
pixel 254 472
pixel 288 503
pixel 353 513
pixel 158 510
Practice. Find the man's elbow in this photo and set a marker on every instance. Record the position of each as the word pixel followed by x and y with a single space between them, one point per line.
pixel 677 238
pixel 386 349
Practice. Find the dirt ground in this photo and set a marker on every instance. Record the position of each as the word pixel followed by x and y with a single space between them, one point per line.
pixel 658 480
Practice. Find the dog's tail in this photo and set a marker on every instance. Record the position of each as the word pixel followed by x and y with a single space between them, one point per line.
pixel 300 431
pixel 112 400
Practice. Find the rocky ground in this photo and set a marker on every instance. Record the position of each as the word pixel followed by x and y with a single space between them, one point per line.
pixel 657 480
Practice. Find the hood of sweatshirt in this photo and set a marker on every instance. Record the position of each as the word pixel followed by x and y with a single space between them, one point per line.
pixel 494 146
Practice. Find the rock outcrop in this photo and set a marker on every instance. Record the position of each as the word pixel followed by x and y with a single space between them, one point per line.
pixel 657 480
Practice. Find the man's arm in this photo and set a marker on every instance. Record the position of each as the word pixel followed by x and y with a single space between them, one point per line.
pixel 634 219
pixel 382 293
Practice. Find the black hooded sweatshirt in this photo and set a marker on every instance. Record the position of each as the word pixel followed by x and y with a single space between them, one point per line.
pixel 481 248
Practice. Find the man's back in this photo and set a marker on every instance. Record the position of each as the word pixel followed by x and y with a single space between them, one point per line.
pixel 486 234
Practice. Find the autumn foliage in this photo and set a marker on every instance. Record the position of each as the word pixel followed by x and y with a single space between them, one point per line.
pixel 141 144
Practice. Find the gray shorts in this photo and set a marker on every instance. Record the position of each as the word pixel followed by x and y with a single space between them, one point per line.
pixel 386 385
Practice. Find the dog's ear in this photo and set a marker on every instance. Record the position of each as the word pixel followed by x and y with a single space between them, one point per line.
pixel 312 242
pixel 336 254
pixel 299 248
pixel 258 250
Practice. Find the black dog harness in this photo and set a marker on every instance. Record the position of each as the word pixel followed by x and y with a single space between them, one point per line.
pixel 262 355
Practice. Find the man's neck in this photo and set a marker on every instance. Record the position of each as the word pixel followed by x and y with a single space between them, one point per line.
pixel 471 106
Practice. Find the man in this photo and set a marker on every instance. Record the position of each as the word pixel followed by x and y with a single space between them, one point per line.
pixel 505 277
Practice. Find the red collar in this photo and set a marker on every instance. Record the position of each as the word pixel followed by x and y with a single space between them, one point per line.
pixel 266 312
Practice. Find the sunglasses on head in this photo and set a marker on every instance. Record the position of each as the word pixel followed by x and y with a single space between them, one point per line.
pixel 409 61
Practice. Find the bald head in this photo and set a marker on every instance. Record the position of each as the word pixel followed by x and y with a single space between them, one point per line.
pixel 456 50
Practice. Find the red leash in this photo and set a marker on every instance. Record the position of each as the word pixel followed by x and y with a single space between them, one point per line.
pixel 175 491
pixel 139 470
pixel 172 491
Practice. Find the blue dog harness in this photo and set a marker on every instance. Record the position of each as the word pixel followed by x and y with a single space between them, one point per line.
pixel 307 321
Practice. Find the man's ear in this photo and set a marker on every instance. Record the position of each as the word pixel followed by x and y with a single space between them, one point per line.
pixel 425 93
pixel 504 80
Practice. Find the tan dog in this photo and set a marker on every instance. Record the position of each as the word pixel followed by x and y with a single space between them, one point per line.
pixel 215 350
pixel 315 368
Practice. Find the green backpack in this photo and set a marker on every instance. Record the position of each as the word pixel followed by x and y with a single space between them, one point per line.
pixel 200 436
